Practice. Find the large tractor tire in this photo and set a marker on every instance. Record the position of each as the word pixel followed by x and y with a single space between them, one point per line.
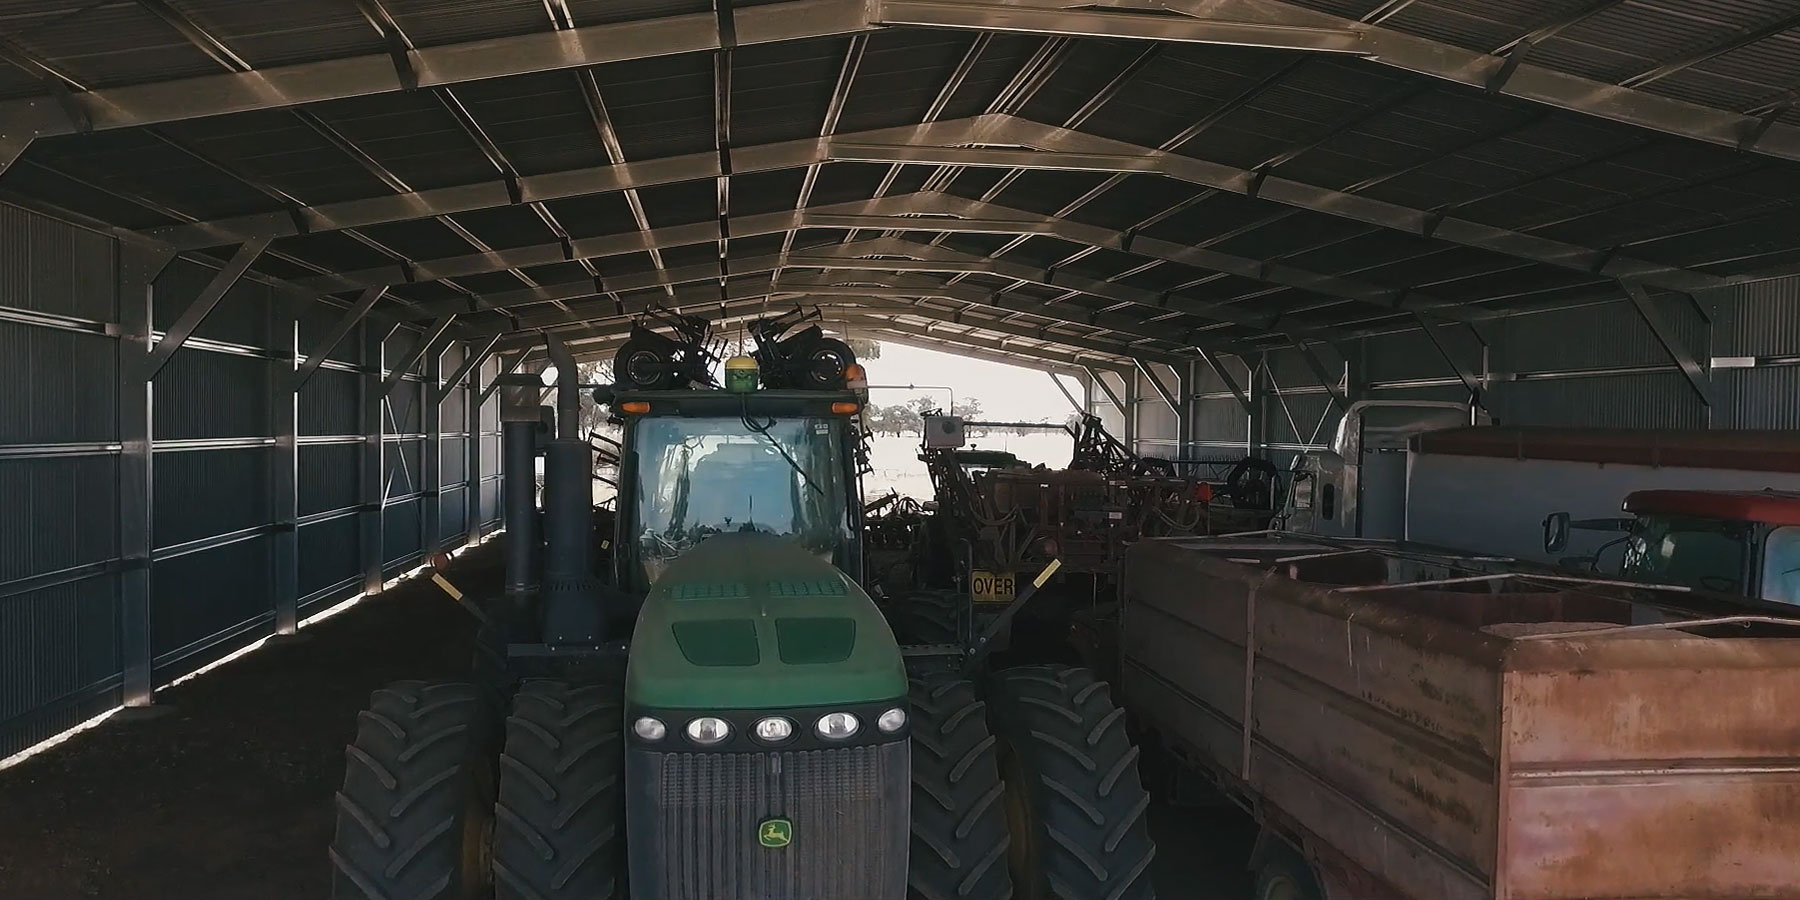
pixel 416 816
pixel 1074 805
pixel 928 617
pixel 959 838
pixel 561 816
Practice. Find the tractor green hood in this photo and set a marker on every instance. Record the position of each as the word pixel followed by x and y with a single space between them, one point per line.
pixel 754 621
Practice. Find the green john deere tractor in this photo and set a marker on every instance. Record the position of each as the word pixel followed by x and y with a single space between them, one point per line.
pixel 725 714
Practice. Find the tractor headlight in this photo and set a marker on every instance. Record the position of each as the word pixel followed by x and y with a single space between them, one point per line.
pixel 837 726
pixel 891 721
pixel 708 730
pixel 774 729
pixel 649 728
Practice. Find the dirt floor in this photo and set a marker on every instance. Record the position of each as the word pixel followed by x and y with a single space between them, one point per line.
pixel 229 795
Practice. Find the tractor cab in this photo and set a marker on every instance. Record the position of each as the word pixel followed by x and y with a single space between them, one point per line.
pixel 1743 543
pixel 697 464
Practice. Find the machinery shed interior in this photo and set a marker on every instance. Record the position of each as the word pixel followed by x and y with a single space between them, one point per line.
pixel 261 264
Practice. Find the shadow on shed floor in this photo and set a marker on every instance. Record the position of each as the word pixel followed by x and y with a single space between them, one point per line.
pixel 230 795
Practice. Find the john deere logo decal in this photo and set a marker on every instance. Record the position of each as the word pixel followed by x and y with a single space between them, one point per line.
pixel 775 833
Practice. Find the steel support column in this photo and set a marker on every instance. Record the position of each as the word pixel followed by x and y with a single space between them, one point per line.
pixel 371 495
pixel 137 271
pixel 1685 358
pixel 431 456
pixel 1187 379
pixel 284 461
pixel 1111 395
pixel 472 474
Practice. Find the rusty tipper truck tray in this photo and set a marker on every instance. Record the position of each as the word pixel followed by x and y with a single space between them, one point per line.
pixel 1426 728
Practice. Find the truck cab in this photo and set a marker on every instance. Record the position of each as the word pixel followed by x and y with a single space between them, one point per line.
pixel 1743 543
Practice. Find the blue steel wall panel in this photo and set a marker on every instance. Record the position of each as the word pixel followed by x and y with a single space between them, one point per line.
pixel 454 403
pixel 328 403
pixel 201 394
pixel 327 479
pixel 490 499
pixel 241 317
pixel 202 595
pixel 205 493
pixel 327 554
pixel 400 530
pixel 59 659
pixel 59 513
pixel 59 386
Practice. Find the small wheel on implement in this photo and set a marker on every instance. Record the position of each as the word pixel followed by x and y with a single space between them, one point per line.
pixel 823 362
pixel 416 815
pixel 1282 874
pixel 641 366
pixel 1074 804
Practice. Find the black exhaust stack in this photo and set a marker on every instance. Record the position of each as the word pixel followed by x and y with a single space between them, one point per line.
pixel 571 593
pixel 521 424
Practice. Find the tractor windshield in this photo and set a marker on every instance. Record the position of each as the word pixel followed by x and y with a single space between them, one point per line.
pixel 1703 553
pixel 698 477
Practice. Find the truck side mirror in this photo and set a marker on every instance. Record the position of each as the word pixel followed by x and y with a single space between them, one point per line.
pixel 1556 532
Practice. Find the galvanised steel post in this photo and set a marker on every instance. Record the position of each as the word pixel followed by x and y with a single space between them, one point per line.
pixel 137 270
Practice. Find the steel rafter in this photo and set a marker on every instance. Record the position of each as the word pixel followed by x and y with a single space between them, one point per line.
pixel 316 82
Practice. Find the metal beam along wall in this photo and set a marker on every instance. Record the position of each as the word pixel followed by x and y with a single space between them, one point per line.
pixel 126 563
pixel 1600 365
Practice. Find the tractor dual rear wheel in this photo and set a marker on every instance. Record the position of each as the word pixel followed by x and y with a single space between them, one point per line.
pixel 415 817
pixel 1075 806
pixel 959 838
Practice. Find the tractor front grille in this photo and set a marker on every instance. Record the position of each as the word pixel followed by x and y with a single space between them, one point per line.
pixel 696 818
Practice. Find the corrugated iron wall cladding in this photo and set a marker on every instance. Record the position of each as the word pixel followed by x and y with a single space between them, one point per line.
pixel 53 644
pixel 1220 420
pixel 57 514
pixel 200 595
pixel 1661 400
pixel 1760 319
pixel 451 518
pixel 328 553
pixel 1155 420
pixel 402 467
pixel 50 266
pixel 453 461
pixel 327 477
pixel 1401 356
pixel 241 317
pixel 201 394
pixel 400 530
pixel 490 499
pixel 405 409
pixel 60 386
pixel 200 494
pixel 329 403
pixel 316 321
pixel 1599 336
pixel 455 402
pixel 1759 398
pixel 1289 369
pixel 1208 382
pixel 1311 414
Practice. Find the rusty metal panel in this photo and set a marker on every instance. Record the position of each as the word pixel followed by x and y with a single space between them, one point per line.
pixel 1683 749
